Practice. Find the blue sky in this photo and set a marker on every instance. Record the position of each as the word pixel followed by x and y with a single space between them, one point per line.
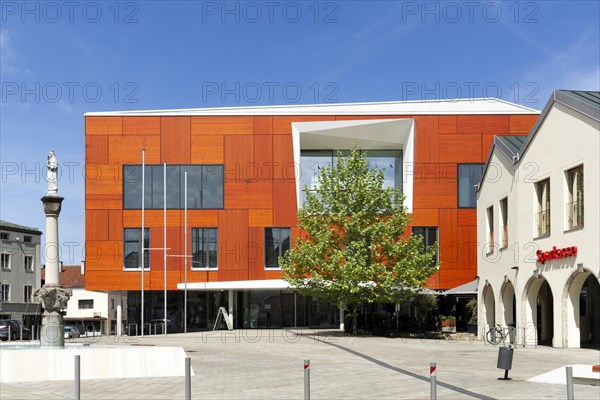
pixel 60 60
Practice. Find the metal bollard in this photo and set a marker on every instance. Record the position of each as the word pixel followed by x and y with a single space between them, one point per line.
pixel 432 381
pixel 188 378
pixel 570 392
pixel 77 378
pixel 306 379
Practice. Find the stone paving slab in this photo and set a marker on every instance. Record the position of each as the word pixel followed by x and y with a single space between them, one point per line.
pixel 268 364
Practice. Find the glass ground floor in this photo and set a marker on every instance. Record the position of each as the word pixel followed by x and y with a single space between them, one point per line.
pixel 252 309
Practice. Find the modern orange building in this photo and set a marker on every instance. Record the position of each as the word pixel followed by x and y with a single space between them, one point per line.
pixel 246 168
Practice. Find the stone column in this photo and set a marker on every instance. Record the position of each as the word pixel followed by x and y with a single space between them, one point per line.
pixel 52 296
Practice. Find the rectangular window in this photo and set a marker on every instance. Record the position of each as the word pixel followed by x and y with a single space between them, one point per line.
pixel 204 186
pixel 28 263
pixel 5 260
pixel 27 239
pixel 86 304
pixel 575 198
pixel 5 292
pixel 277 242
pixel 469 176
pixel 504 216
pixel 4 236
pixel 490 229
pixel 132 247
pixel 542 216
pixel 27 292
pixel 204 248
pixel 430 237
pixel 312 161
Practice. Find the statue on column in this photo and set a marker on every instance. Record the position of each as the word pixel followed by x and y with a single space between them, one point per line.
pixel 52 175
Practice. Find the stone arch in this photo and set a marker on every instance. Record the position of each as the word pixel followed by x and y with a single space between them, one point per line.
pixel 571 320
pixel 537 312
pixel 488 306
pixel 507 303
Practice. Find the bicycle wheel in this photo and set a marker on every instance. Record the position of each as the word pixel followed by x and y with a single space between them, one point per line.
pixel 494 336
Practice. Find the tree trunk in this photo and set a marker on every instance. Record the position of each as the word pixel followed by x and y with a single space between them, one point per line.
pixel 354 321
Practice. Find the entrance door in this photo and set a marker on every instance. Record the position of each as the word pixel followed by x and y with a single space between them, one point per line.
pixel 545 315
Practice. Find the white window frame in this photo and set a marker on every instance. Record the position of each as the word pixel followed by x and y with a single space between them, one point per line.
pixel 504 222
pixel 5 294
pixel 543 208
pixel 27 299
pixel 28 265
pixel 5 264
pixel 574 204
pixel 489 229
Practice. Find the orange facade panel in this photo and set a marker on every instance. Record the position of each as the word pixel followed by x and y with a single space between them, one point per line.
pixel 521 124
pixel 141 125
pixel 96 150
pixel 263 125
pixel 115 225
pixel 284 203
pixel 260 218
pixel 104 255
pixel 241 195
pixel 227 125
pixel 103 125
pixel 233 240
pixel 496 124
pixel 207 149
pixel 283 158
pixel 128 149
pixel 425 217
pixel 434 193
pixel 103 202
pixel 103 179
pixel 426 139
pixel 467 217
pixel 449 246
pixel 263 158
pixel 256 259
pixel 447 124
pixel 96 223
pixel 175 139
pixel 463 147
pixel 239 158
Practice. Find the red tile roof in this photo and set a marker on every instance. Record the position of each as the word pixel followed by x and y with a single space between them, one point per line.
pixel 69 277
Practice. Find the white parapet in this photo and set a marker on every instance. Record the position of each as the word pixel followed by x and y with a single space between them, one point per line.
pixel 22 364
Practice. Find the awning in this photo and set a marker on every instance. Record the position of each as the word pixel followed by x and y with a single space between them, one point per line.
pixel 466 288
pixel 268 284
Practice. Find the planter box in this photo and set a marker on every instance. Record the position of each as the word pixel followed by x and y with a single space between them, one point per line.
pixel 448 325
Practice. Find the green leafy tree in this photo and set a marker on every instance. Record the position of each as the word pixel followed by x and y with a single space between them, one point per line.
pixel 353 247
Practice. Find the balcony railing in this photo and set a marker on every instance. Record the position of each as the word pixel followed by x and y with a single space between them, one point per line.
pixel 575 214
pixel 543 223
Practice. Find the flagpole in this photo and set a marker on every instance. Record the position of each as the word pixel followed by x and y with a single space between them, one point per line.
pixel 143 234
pixel 165 243
pixel 185 252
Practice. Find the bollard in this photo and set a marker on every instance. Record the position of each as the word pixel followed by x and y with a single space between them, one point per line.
pixel 188 378
pixel 77 378
pixel 570 393
pixel 432 381
pixel 306 379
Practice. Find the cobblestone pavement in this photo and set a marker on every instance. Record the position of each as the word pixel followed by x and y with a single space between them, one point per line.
pixel 268 364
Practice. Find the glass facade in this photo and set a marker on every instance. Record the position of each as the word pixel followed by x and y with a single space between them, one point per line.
pixel 204 186
pixel 469 175
pixel 311 162
pixel 205 248
pixel 277 242
pixel 132 247
pixel 430 237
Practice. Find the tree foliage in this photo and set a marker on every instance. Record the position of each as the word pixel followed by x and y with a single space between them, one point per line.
pixel 353 247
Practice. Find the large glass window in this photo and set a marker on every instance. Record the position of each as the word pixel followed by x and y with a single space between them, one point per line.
pixel 5 260
pixel 575 198
pixel 27 292
pixel 86 304
pixel 430 237
pixel 204 247
pixel 469 175
pixel 5 292
pixel 132 248
pixel 312 161
pixel 277 242
pixel 204 186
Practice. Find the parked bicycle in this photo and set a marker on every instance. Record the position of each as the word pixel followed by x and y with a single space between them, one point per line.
pixel 498 334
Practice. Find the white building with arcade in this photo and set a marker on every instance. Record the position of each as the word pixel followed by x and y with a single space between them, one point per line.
pixel 538 227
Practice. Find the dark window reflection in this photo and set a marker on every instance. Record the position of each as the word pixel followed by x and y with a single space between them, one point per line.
pixel 277 242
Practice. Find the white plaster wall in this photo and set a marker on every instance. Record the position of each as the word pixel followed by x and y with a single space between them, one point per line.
pixel 564 140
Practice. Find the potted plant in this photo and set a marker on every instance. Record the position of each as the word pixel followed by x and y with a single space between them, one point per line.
pixel 448 323
pixel 472 308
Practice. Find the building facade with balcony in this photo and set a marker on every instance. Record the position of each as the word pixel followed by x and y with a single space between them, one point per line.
pixel 539 227
pixel 20 256
pixel 246 168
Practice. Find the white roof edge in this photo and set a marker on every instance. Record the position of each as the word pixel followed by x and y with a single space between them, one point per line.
pixel 236 285
pixel 412 107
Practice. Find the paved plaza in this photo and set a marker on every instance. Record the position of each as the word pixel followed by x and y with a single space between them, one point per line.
pixel 268 364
